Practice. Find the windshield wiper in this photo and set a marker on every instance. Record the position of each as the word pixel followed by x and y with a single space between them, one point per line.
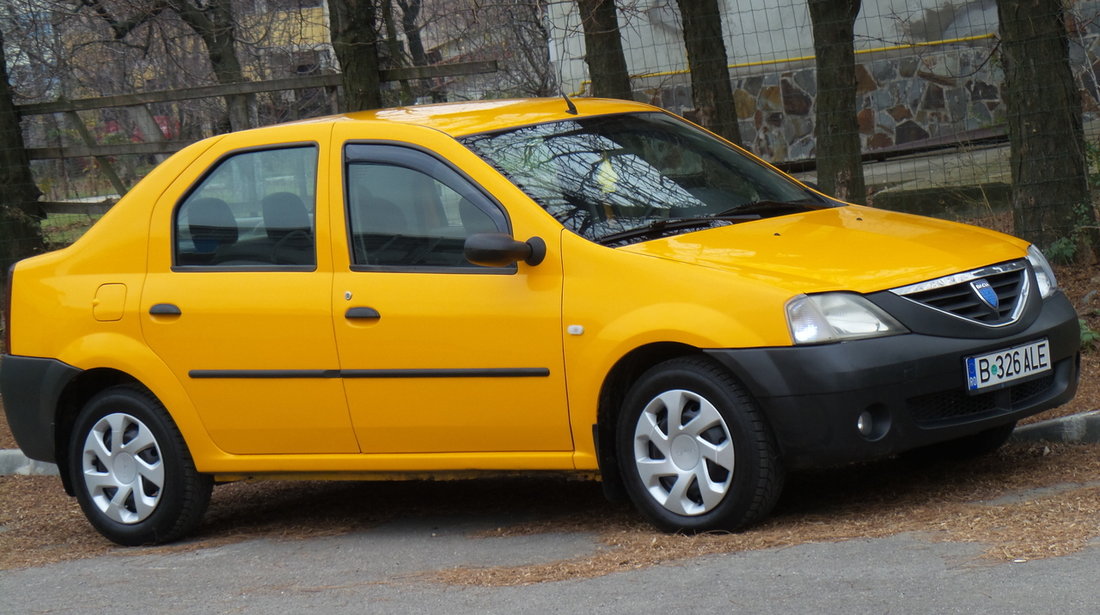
pixel 769 209
pixel 744 212
pixel 754 210
pixel 657 228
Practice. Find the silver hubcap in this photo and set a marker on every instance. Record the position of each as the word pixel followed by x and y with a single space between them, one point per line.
pixel 123 469
pixel 683 452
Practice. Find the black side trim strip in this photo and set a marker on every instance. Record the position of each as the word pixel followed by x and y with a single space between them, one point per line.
pixel 264 373
pixel 489 372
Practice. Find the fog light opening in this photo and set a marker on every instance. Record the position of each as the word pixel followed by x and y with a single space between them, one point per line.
pixel 873 422
pixel 865 424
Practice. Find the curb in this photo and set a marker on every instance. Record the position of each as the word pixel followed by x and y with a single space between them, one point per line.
pixel 12 461
pixel 1084 427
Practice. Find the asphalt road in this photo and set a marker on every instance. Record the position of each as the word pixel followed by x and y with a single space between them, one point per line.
pixel 387 570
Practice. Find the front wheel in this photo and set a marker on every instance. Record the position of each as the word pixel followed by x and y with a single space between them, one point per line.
pixel 693 450
pixel 132 472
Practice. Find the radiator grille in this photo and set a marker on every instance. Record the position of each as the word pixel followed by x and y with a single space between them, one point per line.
pixel 991 296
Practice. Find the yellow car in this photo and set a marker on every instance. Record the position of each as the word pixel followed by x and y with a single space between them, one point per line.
pixel 594 287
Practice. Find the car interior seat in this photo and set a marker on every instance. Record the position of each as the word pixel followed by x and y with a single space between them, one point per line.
pixel 287 223
pixel 211 224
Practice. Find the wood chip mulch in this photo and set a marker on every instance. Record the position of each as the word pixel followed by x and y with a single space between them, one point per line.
pixel 1023 502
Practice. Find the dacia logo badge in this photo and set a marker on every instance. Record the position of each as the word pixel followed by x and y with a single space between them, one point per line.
pixel 986 293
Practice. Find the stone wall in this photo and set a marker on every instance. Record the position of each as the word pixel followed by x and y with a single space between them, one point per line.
pixel 903 99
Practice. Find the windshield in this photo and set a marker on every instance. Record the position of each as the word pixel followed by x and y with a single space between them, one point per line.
pixel 617 179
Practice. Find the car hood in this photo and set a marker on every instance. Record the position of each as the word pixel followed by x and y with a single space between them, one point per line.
pixel 854 248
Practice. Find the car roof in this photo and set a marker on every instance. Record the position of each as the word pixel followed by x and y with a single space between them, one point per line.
pixel 465 118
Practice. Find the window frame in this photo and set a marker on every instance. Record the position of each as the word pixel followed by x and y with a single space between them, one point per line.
pixel 427 162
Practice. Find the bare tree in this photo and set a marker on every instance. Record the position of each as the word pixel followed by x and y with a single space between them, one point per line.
pixel 1050 193
pixel 20 232
pixel 354 27
pixel 411 26
pixel 410 15
pixel 396 51
pixel 603 49
pixel 211 20
pixel 839 164
pixel 511 32
pixel 711 90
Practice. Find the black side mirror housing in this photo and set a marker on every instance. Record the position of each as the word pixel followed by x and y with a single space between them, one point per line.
pixel 500 250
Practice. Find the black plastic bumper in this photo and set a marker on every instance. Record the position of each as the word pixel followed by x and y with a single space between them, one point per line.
pixel 913 386
pixel 31 387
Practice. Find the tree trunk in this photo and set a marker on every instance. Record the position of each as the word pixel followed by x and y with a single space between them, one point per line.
pixel 603 49
pixel 410 12
pixel 355 41
pixel 1050 193
pixel 397 54
pixel 839 168
pixel 710 79
pixel 20 216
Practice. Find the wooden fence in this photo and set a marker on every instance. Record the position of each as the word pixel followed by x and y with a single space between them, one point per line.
pixel 156 144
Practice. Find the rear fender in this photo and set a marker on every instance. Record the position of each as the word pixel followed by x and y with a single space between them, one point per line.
pixel 133 358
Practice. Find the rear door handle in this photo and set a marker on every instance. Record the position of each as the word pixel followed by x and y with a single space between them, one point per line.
pixel 362 313
pixel 165 309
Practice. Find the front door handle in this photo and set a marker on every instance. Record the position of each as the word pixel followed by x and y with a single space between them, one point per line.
pixel 362 313
pixel 165 309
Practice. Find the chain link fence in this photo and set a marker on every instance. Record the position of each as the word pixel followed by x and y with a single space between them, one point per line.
pixel 930 116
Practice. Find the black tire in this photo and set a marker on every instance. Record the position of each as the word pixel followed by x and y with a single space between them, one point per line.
pixel 717 471
pixel 132 472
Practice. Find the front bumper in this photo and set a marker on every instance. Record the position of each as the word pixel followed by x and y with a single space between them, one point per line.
pixel 913 386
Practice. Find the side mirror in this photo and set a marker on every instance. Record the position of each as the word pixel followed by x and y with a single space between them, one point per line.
pixel 500 250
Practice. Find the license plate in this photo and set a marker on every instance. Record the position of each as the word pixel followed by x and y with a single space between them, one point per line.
pixel 999 367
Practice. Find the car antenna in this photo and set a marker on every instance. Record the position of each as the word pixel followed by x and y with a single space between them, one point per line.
pixel 571 108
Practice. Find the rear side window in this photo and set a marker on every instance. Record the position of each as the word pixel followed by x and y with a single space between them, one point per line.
pixel 254 209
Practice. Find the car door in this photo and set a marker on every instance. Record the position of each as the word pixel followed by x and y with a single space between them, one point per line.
pixel 439 355
pixel 236 301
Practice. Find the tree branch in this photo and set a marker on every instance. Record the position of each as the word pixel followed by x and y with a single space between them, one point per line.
pixel 195 17
pixel 122 29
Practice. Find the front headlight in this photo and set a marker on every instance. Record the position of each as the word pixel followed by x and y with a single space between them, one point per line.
pixel 1044 275
pixel 831 317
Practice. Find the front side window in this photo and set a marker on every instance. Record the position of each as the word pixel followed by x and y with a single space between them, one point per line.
pixel 255 209
pixel 621 178
pixel 407 210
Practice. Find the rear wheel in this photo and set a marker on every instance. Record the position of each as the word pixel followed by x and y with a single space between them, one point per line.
pixel 693 450
pixel 132 472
